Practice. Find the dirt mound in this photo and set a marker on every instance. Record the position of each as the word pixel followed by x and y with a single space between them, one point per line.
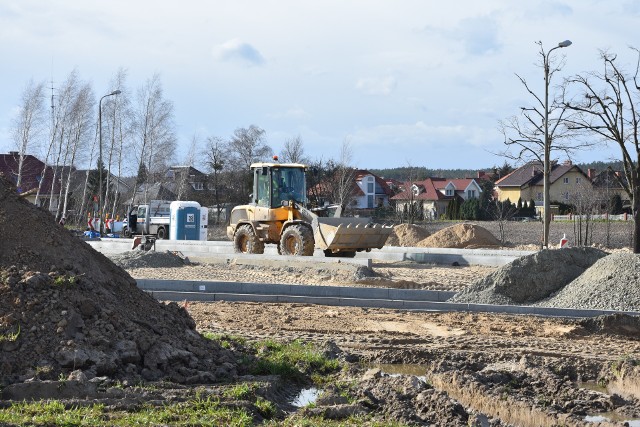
pixel 610 284
pixel 614 324
pixel 407 235
pixel 461 236
pixel 147 259
pixel 65 307
pixel 531 278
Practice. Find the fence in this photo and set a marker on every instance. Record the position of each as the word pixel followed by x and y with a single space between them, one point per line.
pixel 571 217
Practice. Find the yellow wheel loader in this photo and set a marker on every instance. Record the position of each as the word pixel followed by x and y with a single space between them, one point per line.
pixel 277 214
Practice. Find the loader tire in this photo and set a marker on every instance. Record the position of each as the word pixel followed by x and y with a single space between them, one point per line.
pixel 297 240
pixel 245 241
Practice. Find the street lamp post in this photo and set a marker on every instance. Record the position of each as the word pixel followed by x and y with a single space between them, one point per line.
pixel 547 145
pixel 100 166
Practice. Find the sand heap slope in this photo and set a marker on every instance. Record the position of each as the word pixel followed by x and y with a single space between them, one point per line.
pixel 406 235
pixel 465 235
pixel 530 278
pixel 612 283
pixel 66 307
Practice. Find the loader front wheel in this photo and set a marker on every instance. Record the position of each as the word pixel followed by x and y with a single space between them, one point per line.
pixel 245 241
pixel 297 240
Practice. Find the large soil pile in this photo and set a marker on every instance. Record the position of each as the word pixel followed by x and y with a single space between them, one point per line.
pixel 406 235
pixel 530 278
pixel 65 307
pixel 468 236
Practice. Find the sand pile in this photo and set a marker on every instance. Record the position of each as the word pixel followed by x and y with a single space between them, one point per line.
pixel 406 235
pixel 610 284
pixel 531 278
pixel 468 236
pixel 65 307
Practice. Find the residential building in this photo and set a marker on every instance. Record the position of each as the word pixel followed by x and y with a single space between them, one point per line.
pixel 566 181
pixel 371 192
pixel 433 195
pixel 34 173
pixel 608 184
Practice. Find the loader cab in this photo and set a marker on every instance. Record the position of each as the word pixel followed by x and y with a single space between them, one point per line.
pixel 275 183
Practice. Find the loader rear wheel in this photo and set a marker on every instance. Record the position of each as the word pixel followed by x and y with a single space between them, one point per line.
pixel 297 240
pixel 245 241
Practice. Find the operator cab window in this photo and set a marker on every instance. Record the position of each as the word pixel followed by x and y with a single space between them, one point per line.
pixel 262 190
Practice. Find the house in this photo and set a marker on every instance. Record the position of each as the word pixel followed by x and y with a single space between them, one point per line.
pixel 608 184
pixel 34 174
pixel 367 191
pixel 566 181
pixel 188 183
pixel 371 192
pixel 433 195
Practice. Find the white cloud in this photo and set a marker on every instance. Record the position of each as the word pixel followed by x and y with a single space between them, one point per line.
pixel 376 86
pixel 238 51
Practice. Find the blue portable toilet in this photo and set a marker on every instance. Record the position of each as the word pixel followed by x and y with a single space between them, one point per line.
pixel 185 220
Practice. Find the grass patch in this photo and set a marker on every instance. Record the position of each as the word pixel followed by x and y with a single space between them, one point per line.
pixel 225 340
pixel 10 336
pixel 196 412
pixel 65 280
pixel 292 360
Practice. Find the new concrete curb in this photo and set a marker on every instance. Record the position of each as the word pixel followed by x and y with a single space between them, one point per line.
pixel 400 299
pixel 214 251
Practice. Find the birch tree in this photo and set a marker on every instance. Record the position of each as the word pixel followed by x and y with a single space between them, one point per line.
pixel 153 130
pixel 27 126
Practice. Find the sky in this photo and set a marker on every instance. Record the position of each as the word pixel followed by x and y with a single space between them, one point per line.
pixel 402 82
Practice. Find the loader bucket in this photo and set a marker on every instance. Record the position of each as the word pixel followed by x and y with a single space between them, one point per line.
pixel 349 234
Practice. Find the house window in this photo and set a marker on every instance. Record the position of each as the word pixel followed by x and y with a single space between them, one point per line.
pixel 578 180
pixel 370 201
pixel 471 194
pixel 197 185
pixel 449 192
pixel 566 180
pixel 539 197
pixel 566 195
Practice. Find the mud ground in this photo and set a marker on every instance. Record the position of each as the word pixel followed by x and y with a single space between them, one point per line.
pixel 491 369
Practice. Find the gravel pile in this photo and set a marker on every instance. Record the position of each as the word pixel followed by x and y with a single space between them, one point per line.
pixel 531 278
pixel 406 235
pixel 612 283
pixel 147 259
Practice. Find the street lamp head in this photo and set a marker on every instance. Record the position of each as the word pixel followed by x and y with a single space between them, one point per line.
pixel 565 43
pixel 118 92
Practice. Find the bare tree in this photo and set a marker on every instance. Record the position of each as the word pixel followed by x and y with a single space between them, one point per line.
pixel 216 153
pixel 344 178
pixel 293 151
pixel 246 146
pixel 153 129
pixel 502 213
pixel 541 129
pixel 80 124
pixel 586 202
pixel 608 110
pixel 29 123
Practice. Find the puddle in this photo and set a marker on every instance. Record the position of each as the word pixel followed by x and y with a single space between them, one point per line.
pixel 611 417
pixel 592 385
pixel 305 397
pixel 393 369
